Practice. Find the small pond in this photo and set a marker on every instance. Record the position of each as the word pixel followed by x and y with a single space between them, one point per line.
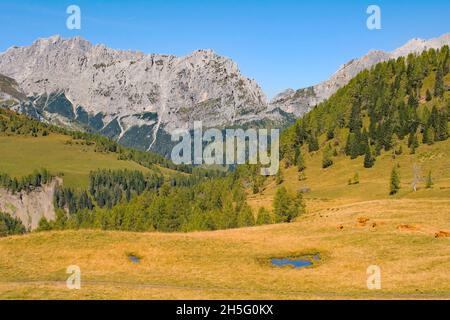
pixel 300 262
pixel 134 259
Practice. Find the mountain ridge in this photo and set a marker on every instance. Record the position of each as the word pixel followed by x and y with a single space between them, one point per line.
pixel 138 99
pixel 300 101
pixel 129 95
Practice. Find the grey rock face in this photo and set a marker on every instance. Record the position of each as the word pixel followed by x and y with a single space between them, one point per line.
pixel 10 90
pixel 30 207
pixel 123 92
pixel 301 101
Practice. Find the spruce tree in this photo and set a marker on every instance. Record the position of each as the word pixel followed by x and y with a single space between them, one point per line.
pixel 281 205
pixel 264 217
pixel 439 83
pixel 428 96
pixel 428 136
pixel 394 186
pixel 279 178
pixel 369 159
pixel 298 206
pixel 442 127
pixel 429 181
pixel 245 217
pixel 313 143
pixel 327 160
pixel 301 166
pixel 413 142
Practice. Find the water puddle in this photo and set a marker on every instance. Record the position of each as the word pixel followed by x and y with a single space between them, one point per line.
pixel 296 262
pixel 134 258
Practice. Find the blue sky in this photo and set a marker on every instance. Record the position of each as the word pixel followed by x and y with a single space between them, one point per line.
pixel 281 44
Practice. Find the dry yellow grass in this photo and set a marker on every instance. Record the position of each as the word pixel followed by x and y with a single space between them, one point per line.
pixel 225 264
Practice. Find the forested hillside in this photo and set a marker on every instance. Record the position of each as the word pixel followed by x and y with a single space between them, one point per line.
pixel 407 98
pixel 185 198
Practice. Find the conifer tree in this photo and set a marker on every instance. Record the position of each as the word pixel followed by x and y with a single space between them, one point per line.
pixel 301 166
pixel 327 160
pixel 264 217
pixel 394 185
pixel 281 205
pixel 429 181
pixel 428 96
pixel 369 159
pixel 442 127
pixel 439 83
pixel 313 143
pixel 279 178
pixel 245 217
pixel 428 136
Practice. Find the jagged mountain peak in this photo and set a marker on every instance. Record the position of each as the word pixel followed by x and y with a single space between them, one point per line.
pixel 301 101
pixel 131 96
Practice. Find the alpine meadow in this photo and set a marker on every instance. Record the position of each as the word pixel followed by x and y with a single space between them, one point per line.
pixel 86 177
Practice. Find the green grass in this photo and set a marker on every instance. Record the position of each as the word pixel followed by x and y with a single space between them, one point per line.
pixel 21 155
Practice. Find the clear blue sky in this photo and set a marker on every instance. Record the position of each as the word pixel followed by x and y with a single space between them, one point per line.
pixel 281 44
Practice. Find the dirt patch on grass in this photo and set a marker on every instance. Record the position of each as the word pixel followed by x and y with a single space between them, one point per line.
pixel 407 227
pixel 362 221
pixel 442 234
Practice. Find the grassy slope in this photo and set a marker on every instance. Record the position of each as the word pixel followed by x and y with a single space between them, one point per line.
pixel 330 186
pixel 21 155
pixel 225 264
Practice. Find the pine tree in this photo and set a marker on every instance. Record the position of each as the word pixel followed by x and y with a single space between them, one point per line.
pixel 327 160
pixel 429 181
pixel 428 136
pixel 298 206
pixel 264 217
pixel 279 178
pixel 330 134
pixel 439 83
pixel 352 148
pixel 313 143
pixel 433 121
pixel 301 166
pixel 281 205
pixel 44 225
pixel 369 159
pixel 355 123
pixel 395 181
pixel 245 217
pixel 413 142
pixel 442 127
pixel 428 96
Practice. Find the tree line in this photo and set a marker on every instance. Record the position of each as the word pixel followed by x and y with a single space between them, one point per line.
pixel 179 204
pixel 27 183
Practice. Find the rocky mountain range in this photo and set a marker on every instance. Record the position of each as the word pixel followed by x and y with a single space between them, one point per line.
pixel 139 99
pixel 135 98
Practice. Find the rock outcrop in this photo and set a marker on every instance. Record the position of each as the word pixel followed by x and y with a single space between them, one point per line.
pixel 30 207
